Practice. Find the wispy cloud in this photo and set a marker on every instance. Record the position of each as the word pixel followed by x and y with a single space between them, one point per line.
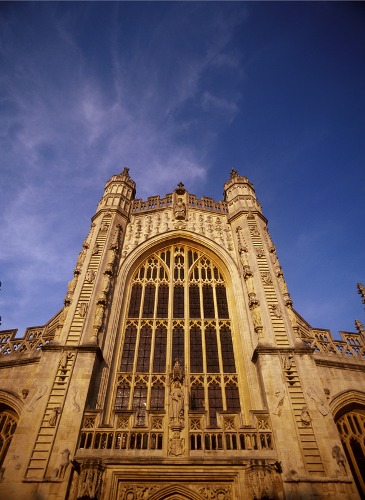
pixel 69 121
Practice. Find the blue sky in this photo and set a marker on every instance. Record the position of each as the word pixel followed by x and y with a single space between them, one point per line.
pixel 183 92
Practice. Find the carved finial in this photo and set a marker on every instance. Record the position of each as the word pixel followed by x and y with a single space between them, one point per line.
pixel 180 185
pixel 234 173
pixel 125 171
pixel 359 326
pixel 361 291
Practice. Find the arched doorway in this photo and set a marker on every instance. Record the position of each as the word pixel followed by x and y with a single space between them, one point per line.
pixel 351 426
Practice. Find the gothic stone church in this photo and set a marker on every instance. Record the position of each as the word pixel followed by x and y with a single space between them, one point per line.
pixel 178 368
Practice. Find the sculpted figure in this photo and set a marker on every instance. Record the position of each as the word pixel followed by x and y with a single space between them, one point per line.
pixel 359 326
pixel 81 257
pixel 177 402
pixel 65 461
pixel 71 288
pixel 279 400
pixel 38 395
pixel 319 401
pixel 90 276
pixel 256 316
pixel 361 291
pixel 340 459
pixel 291 314
pixel 54 416
pixel 180 210
pixel 305 417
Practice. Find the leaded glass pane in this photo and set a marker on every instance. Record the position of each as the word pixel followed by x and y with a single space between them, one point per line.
pixel 227 350
pixel 211 349
pixel 123 393
pixel 222 302
pixel 215 402
pixel 194 301
pixel 149 301
pixel 159 354
pixel 157 396
pixel 178 301
pixel 178 344
pixel 135 301
pixel 128 349
pixel 144 350
pixel 196 355
pixel 163 301
pixel 232 398
pixel 208 302
pixel 139 402
pixel 197 398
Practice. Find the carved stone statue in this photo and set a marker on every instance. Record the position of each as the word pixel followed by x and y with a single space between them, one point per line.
pixel 38 395
pixel 90 276
pixel 305 417
pixel 340 459
pixel 256 317
pixel 54 416
pixel 276 310
pixel 180 210
pixel 81 258
pixel 176 445
pixel 318 400
pixel 71 288
pixel 64 463
pixel 176 404
pixel 359 326
pixel 361 291
pixel 279 400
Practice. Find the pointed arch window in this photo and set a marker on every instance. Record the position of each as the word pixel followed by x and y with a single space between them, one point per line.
pixel 178 310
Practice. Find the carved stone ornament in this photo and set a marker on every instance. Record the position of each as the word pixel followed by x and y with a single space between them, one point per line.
pixel 361 291
pixel 275 308
pixel 176 445
pixel 266 278
pixel 82 309
pixel 54 416
pixel 305 417
pixel 71 288
pixel 263 479
pixel 259 252
pixel 215 492
pixel 319 401
pixel 136 492
pixel 38 395
pixel 176 405
pixel 90 276
pixel 90 482
pixel 278 400
pixel 64 463
pixel 359 326
pixel 340 459
pixel 180 209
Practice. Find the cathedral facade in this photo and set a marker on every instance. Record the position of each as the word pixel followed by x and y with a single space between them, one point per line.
pixel 178 367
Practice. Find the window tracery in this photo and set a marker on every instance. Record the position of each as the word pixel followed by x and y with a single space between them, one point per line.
pixel 8 423
pixel 178 310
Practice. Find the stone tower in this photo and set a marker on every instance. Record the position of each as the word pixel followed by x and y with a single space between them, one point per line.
pixel 178 368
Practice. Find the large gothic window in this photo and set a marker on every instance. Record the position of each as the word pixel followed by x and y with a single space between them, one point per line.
pixel 8 423
pixel 178 310
pixel 351 427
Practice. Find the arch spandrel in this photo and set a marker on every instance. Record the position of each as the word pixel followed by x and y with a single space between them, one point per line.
pixel 176 492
